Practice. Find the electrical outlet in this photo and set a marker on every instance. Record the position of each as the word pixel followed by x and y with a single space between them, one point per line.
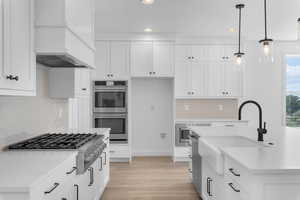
pixel 163 135
pixel 221 108
pixel 186 107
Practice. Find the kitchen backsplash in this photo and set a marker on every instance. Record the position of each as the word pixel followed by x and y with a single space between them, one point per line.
pixel 206 109
pixel 25 115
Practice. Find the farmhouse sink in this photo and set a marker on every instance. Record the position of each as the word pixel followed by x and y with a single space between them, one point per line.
pixel 210 148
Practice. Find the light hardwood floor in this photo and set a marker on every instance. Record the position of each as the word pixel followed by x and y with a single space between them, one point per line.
pixel 150 178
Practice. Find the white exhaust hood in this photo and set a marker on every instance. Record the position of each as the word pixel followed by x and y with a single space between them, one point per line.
pixel 61 39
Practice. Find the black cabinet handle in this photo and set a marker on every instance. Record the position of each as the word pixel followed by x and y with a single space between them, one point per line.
pixel 71 171
pixel 84 89
pixel 101 164
pixel 105 158
pixel 208 187
pixel 53 188
pixel 232 171
pixel 11 77
pixel 77 191
pixel 91 169
pixel 233 188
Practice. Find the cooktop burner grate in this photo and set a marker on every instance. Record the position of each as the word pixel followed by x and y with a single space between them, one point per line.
pixel 55 141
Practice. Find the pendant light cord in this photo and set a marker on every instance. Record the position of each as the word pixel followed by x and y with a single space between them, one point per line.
pixel 266 28
pixel 240 25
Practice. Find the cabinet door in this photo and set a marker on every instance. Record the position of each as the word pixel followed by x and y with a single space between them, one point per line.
pixel 198 77
pixel 86 186
pixel 182 81
pixel 102 61
pixel 119 60
pixel 82 81
pixel 182 53
pixel 215 80
pixel 232 79
pixel 17 50
pixel 141 59
pixel 163 59
pixel 200 53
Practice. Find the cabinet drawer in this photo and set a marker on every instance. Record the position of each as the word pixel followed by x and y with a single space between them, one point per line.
pixel 119 151
pixel 234 191
pixel 237 173
pixel 55 180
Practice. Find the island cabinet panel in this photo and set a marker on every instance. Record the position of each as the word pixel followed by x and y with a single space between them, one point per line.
pixel 242 184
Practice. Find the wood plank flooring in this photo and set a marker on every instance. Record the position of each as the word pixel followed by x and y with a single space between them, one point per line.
pixel 150 178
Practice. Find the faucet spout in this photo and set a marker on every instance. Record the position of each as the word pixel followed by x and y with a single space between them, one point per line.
pixel 261 130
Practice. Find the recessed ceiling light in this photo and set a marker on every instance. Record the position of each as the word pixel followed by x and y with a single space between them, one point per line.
pixel 147 2
pixel 148 30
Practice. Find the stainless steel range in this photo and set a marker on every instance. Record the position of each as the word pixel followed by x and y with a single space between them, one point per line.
pixel 89 146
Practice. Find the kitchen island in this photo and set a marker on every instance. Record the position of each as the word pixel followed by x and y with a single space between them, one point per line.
pixel 53 174
pixel 250 171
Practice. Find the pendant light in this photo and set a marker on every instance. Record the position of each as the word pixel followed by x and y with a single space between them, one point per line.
pixel 266 42
pixel 239 54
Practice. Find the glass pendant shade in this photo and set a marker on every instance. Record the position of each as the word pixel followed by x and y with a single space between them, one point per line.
pixel 239 55
pixel 266 43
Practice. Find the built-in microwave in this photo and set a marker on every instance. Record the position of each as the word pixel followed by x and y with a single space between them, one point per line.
pixel 110 96
pixel 117 122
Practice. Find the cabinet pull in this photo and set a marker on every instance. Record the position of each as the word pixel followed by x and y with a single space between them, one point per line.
pixel 104 157
pixel 208 187
pixel 233 172
pixel 101 164
pixel 84 89
pixel 11 77
pixel 53 188
pixel 91 169
pixel 111 151
pixel 73 170
pixel 77 191
pixel 232 187
pixel 190 171
pixel 190 156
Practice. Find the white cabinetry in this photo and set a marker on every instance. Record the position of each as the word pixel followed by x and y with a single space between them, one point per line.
pixel 74 85
pixel 206 72
pixel 212 183
pixel 152 59
pixel 17 57
pixel 112 60
pixel 66 27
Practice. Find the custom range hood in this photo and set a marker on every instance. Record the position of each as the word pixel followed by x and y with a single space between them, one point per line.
pixel 64 33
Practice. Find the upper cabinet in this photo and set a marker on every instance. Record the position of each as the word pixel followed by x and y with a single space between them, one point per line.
pixel 17 57
pixel 112 60
pixel 152 59
pixel 65 32
pixel 207 71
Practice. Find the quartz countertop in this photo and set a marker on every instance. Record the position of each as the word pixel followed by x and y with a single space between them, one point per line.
pixel 282 157
pixel 19 170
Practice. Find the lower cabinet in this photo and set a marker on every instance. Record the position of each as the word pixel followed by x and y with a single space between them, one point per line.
pixel 210 185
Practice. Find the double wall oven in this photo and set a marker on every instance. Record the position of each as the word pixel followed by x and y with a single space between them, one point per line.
pixel 110 109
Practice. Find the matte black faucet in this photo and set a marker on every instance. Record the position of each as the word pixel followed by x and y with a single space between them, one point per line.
pixel 261 130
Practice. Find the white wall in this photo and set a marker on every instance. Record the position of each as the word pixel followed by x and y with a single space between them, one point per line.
pixel 32 115
pixel 152 114
pixel 265 83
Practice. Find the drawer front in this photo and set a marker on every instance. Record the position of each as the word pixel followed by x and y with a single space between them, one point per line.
pixel 54 183
pixel 119 151
pixel 236 172
pixel 234 191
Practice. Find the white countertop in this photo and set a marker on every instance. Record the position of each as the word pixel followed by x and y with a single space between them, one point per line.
pixel 20 170
pixel 283 157
pixel 193 120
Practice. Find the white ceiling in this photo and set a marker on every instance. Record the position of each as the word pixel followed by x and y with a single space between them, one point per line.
pixel 211 18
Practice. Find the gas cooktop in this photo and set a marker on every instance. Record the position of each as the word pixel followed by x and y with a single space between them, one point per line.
pixel 55 141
